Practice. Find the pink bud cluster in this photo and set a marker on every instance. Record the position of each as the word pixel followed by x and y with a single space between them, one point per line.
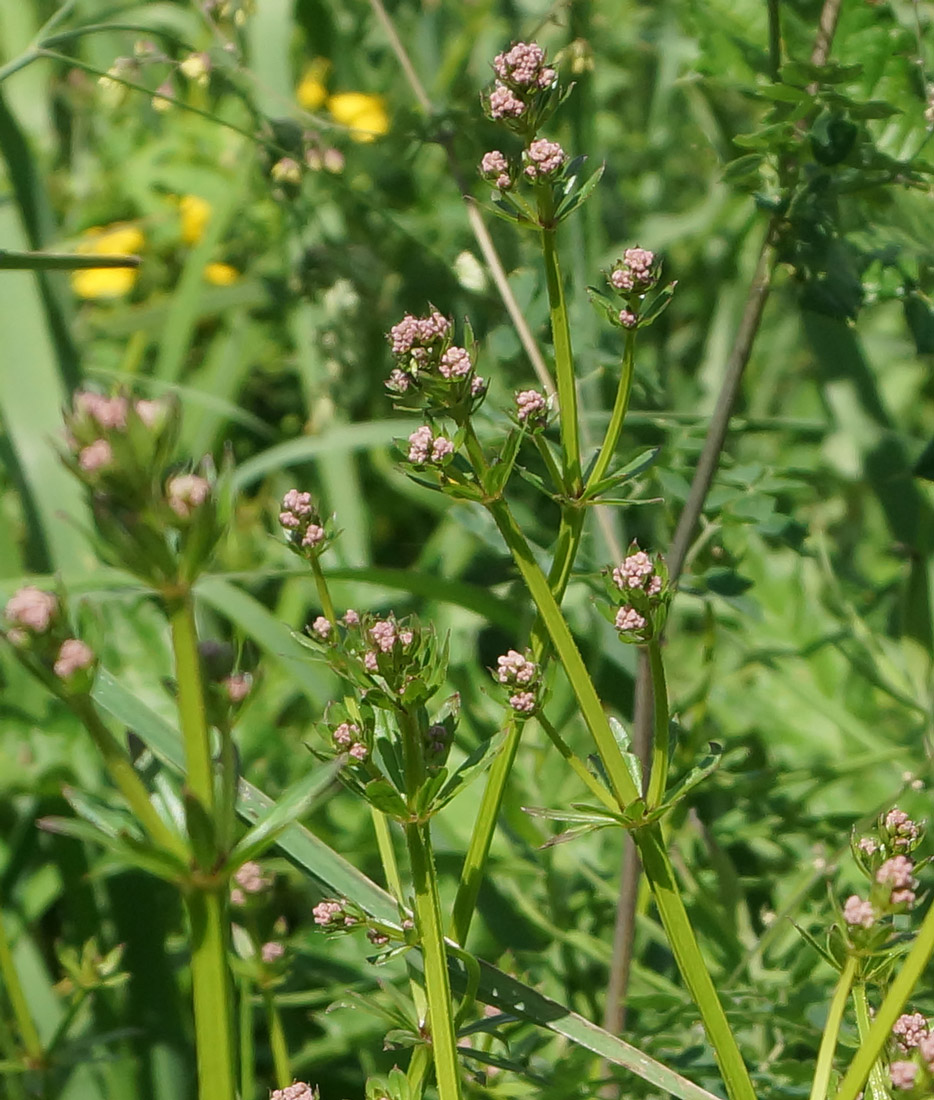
pixel 31 609
pixel 414 334
pixel 638 578
pixel 543 159
pixel 909 1029
pixel 345 738
pixel 96 421
pixel 299 517
pixel 634 272
pixel 902 833
pixel 523 66
pixel 531 408
pixel 858 913
pixel 426 447
pixel 504 103
pixel 494 167
pixel 186 493
pixel 297 1091
pixel 34 616
pixel 332 914
pixel 913 1039
pixel 518 671
pixel 249 880
pixel 897 874
pixel 455 363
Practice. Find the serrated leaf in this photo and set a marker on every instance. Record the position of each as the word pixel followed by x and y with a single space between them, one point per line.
pixel 570 204
pixel 744 167
pixel 472 768
pixel 384 796
pixel 696 775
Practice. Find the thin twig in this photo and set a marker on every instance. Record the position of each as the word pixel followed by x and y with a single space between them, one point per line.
pixel 477 225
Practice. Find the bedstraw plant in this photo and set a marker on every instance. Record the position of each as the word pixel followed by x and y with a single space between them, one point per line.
pixel 390 740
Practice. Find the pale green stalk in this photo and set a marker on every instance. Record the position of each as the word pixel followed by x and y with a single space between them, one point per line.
pixel 207 912
pixel 324 595
pixel 207 905
pixel 829 1039
pixel 658 777
pixel 878 1085
pixel 199 772
pixel 29 1035
pixel 280 1051
pixel 620 407
pixel 437 982
pixel 247 1052
pixel 564 358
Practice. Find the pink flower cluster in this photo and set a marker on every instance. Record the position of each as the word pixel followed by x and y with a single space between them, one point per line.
pixel 627 618
pixel 237 687
pixel 628 319
pixel 297 1091
pixel 385 636
pixel 272 951
pixel 494 167
pixel 298 516
pixel 455 363
pixel 330 914
pixel 897 873
pixel 518 670
pixel 94 413
pixel 635 271
pixel 523 65
pixel 322 627
pixel 902 831
pixel 426 447
pixel 345 738
pixel 530 407
pixel 249 879
pixel 909 1029
pixel 186 492
pixel 515 668
pixel 504 103
pixel 543 159
pixel 414 333
pixel 31 609
pixel 73 656
pixel 638 571
pixel 858 913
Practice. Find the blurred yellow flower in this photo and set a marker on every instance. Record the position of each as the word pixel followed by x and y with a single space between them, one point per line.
pixel 311 92
pixel 107 282
pixel 219 274
pixel 194 212
pixel 365 114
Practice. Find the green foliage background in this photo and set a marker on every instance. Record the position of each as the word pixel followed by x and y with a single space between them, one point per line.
pixel 802 637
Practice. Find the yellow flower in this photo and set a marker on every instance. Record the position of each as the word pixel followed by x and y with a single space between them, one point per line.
pixel 107 282
pixel 219 274
pixel 365 114
pixel 195 212
pixel 311 92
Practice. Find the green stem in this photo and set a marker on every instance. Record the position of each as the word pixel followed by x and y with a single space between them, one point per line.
pixel 32 1044
pixel 878 1086
pixel 418 1071
pixel 549 459
pixel 437 983
pixel 621 782
pixel 468 889
pixel 684 947
pixel 227 804
pixel 658 779
pixel 893 1004
pixel 191 711
pixel 280 1051
pixel 387 854
pixel 126 778
pixel 324 595
pixel 247 1051
pixel 564 360
pixel 577 765
pixel 210 980
pixel 831 1036
pixel 620 407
